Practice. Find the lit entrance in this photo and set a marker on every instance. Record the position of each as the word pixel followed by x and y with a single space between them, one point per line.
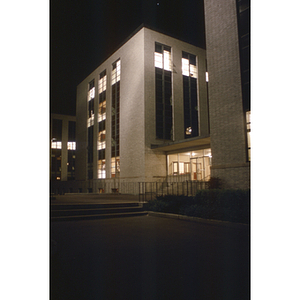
pixel 192 165
pixel 200 168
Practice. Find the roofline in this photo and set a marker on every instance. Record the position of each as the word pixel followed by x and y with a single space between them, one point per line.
pixel 144 25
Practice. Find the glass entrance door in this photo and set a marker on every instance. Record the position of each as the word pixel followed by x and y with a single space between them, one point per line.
pixel 200 168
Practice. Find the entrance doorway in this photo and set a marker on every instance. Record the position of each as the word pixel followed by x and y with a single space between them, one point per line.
pixel 200 168
pixel 193 165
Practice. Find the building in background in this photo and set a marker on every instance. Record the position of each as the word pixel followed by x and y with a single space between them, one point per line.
pixel 62 152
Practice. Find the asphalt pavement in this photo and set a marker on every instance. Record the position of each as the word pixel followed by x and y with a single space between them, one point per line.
pixel 149 257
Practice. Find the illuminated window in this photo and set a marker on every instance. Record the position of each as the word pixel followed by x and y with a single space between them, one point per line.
pixel 101 140
pixel 102 82
pixel 206 77
pixel 115 166
pixel 71 146
pixel 116 72
pixel 158 60
pixel 185 67
pixel 248 121
pixel 56 145
pixel 162 57
pixel 102 111
pixel 163 92
pixel 91 96
pixel 101 169
pixel 189 67
pixel 90 121
pixel 115 116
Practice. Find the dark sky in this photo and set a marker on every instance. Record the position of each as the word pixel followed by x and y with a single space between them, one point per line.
pixel 84 33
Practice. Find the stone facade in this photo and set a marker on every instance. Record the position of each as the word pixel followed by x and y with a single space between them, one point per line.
pixel 227 118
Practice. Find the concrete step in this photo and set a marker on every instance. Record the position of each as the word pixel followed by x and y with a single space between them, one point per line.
pixel 65 206
pixel 99 216
pixel 88 211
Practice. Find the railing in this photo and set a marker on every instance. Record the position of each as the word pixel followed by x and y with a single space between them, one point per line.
pixel 150 190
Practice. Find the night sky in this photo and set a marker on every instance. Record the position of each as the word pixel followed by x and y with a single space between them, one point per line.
pixel 84 33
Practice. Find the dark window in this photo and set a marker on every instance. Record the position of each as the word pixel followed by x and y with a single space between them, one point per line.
pixel 190 96
pixel 243 14
pixel 72 131
pixel 115 115
pixel 91 97
pixel 57 129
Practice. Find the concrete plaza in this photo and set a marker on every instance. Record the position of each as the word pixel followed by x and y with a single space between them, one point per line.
pixel 149 257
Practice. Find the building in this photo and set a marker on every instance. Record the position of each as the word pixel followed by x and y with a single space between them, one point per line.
pixel 228 64
pixel 162 110
pixel 142 116
pixel 62 152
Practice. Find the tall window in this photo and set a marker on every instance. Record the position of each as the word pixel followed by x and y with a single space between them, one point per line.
pixel 115 118
pixel 56 146
pixel 190 98
pixel 248 121
pixel 101 144
pixel 163 90
pixel 90 125
pixel 71 146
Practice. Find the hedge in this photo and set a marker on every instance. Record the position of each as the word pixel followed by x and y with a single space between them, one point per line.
pixel 218 204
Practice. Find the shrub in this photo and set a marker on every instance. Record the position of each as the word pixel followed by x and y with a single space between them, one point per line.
pixel 226 205
pixel 214 183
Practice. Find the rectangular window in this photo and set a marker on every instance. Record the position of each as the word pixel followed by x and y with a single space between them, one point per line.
pixel 71 146
pixel 190 95
pixel 56 164
pixel 72 131
pixel 248 121
pixel 116 72
pixel 90 125
pixel 102 97
pixel 91 92
pixel 56 145
pixel 71 165
pixel 115 116
pixel 56 129
pixel 102 82
pixel 91 97
pixel 101 140
pixel 163 92
pixel 162 57
pixel 101 143
pixel 115 167
pixel 101 169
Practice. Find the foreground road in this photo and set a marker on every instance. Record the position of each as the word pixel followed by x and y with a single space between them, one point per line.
pixel 149 258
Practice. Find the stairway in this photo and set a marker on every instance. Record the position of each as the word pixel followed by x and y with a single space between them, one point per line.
pixel 81 211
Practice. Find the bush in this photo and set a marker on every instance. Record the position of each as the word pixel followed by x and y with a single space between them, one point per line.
pixel 214 183
pixel 169 203
pixel 226 205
